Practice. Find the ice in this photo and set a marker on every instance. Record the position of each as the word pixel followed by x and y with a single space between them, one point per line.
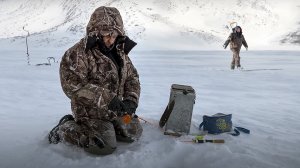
pixel 264 100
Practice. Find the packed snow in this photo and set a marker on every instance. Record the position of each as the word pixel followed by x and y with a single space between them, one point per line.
pixel 264 98
pixel 159 25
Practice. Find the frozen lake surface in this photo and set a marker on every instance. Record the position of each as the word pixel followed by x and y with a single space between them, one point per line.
pixel 264 98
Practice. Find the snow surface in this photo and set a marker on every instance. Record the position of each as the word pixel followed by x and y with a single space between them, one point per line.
pixel 264 99
pixel 160 25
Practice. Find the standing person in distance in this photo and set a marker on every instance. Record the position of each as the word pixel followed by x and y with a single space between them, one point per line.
pixel 236 40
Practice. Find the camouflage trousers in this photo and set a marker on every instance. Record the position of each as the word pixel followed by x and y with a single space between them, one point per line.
pixel 235 58
pixel 88 135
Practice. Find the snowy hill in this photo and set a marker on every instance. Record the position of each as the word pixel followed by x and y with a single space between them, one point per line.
pixel 154 24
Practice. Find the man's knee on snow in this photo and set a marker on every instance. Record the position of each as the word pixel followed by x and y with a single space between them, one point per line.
pixel 73 133
pixel 99 147
pixel 128 132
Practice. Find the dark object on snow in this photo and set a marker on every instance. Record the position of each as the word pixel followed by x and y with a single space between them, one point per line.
pixel 53 136
pixel 28 34
pixel 178 114
pixel 216 124
pixel 210 140
pixel 248 70
pixel 200 139
pixel 176 134
pixel 238 129
pixel 49 61
pixel 221 123
pixel 244 130
pixel 47 64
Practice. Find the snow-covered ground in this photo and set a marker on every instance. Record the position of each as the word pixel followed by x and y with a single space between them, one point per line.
pixel 264 99
pixel 160 25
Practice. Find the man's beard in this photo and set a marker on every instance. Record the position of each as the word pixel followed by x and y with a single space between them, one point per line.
pixel 103 48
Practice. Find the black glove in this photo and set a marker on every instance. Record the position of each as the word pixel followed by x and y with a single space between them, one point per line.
pixel 226 44
pixel 130 106
pixel 117 105
pixel 91 42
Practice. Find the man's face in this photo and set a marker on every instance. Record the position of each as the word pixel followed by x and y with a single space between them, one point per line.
pixel 238 30
pixel 109 40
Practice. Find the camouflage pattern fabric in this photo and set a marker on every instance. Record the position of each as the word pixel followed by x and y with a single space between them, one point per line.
pixel 83 135
pixel 91 80
pixel 235 58
pixel 105 20
pixel 236 43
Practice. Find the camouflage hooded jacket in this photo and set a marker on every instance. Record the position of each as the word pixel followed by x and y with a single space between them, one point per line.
pixel 90 79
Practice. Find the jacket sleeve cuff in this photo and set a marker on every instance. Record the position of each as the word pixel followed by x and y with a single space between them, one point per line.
pixel 133 97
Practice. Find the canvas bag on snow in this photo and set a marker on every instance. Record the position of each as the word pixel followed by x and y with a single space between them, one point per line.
pixel 217 123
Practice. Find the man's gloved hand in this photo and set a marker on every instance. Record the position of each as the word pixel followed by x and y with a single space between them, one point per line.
pixel 117 105
pixel 224 46
pixel 91 42
pixel 130 106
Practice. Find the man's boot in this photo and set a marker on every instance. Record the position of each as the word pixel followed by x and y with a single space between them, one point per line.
pixel 232 66
pixel 53 136
pixel 98 147
pixel 128 132
pixel 120 135
pixel 239 67
pixel 102 139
